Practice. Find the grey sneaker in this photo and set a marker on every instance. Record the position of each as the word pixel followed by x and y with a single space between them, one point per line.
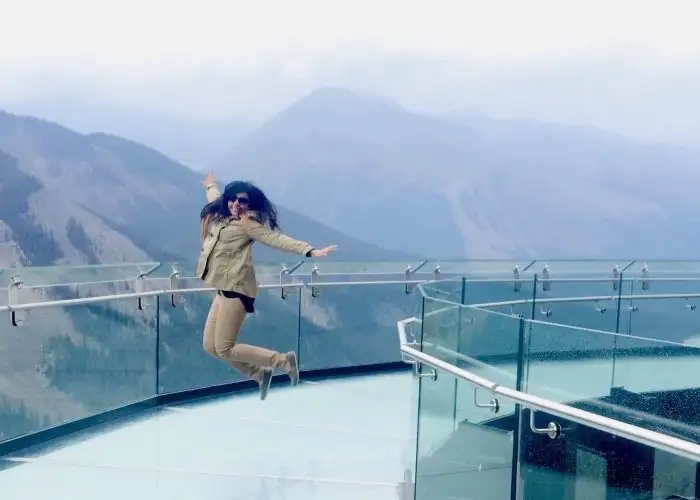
pixel 265 383
pixel 293 367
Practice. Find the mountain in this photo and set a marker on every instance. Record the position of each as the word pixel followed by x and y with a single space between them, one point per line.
pixel 66 197
pixel 193 141
pixel 455 187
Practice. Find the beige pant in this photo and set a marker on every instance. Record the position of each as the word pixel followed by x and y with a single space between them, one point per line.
pixel 221 332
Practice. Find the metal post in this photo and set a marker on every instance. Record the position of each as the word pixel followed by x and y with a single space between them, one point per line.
pixel 408 276
pixel 286 276
pixel 616 277
pixel 174 283
pixel 315 290
pixel 645 277
pixel 140 287
pixel 18 317
pixel 546 284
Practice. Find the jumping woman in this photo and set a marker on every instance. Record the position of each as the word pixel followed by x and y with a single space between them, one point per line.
pixel 230 223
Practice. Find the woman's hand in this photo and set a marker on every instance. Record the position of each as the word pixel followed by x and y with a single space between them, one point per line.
pixel 322 252
pixel 209 180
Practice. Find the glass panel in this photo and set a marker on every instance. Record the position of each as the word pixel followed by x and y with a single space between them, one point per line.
pixel 450 290
pixel 353 325
pixel 183 362
pixel 664 268
pixel 657 380
pixel 589 464
pixel 330 267
pixel 583 303
pixel 483 268
pixel 506 296
pixel 467 460
pixel 592 268
pixel 567 364
pixel 673 318
pixel 641 381
pixel 66 363
pixel 56 275
pixel 489 346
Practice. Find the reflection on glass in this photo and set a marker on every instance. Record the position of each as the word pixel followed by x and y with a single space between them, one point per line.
pixel 469 460
pixel 568 364
pixel 591 464
pixel 66 363
pixel 512 297
pixel 353 325
pixel 583 303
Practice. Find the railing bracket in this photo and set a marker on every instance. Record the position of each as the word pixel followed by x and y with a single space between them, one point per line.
pixel 18 317
pixel 432 374
pixel 546 275
pixel 437 273
pixel 494 405
pixel 174 283
pixel 140 287
pixel 286 276
pixel 408 276
pixel 315 290
pixel 645 277
pixel 553 429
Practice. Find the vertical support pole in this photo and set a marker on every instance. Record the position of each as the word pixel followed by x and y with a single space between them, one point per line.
pixel 157 345
pixel 517 284
pixel 521 360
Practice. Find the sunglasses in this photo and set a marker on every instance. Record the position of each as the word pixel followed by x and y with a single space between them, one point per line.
pixel 242 200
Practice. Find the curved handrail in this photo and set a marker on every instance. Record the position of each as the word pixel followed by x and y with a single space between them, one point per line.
pixel 634 433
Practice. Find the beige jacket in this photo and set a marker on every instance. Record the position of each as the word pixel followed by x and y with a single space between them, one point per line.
pixel 226 259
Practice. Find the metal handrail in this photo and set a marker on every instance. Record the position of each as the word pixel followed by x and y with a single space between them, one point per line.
pixel 634 433
pixel 106 298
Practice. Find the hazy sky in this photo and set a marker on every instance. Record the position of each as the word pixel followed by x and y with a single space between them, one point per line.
pixel 555 59
pixel 155 36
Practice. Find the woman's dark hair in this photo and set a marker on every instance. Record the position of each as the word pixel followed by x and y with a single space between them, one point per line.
pixel 265 210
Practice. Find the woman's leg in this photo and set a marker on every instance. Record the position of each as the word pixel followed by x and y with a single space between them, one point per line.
pixel 210 328
pixel 248 358
pixel 250 371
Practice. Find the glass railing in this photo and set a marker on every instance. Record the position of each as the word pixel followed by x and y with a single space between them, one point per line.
pixel 620 349
pixel 81 353
pixel 608 336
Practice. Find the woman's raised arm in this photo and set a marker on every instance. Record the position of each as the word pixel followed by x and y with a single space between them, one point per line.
pixel 210 186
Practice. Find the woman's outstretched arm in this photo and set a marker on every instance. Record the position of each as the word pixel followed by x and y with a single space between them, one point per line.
pixel 275 239
pixel 210 186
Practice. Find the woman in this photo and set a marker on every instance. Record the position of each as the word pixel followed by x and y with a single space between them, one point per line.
pixel 231 222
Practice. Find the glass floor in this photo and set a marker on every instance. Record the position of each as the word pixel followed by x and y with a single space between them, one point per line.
pixel 337 439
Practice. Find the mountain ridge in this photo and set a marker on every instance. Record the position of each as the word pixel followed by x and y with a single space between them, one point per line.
pixel 474 188
pixel 100 198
